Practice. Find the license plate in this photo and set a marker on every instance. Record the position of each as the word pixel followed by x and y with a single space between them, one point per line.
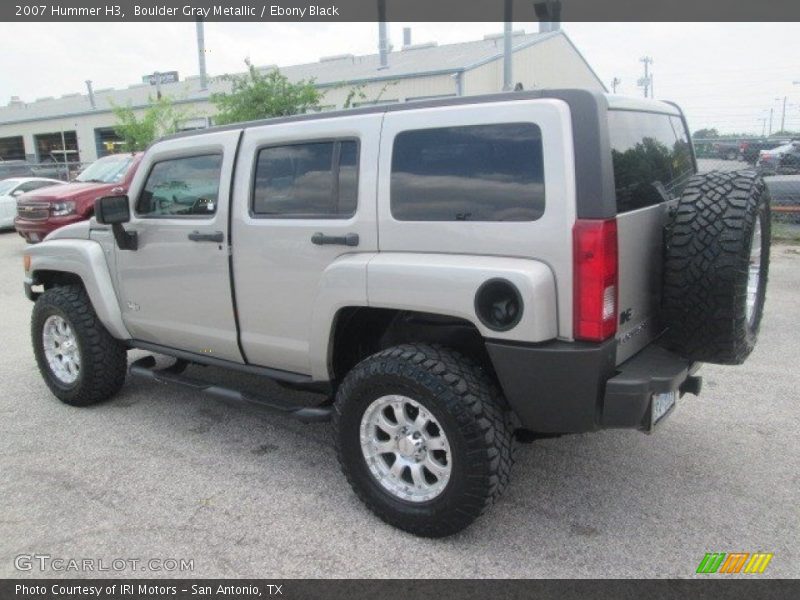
pixel 34 237
pixel 661 405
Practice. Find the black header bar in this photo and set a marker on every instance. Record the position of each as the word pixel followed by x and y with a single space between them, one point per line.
pixel 400 10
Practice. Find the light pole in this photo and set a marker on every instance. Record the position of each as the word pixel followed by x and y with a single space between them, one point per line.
pixel 769 133
pixel 645 81
pixel 783 113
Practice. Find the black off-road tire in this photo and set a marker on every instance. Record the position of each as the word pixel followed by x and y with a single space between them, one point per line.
pixel 103 358
pixel 707 263
pixel 472 413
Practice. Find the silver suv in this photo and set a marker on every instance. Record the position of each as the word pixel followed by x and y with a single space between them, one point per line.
pixel 450 276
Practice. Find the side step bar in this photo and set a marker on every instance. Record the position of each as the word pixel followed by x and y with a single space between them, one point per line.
pixel 144 367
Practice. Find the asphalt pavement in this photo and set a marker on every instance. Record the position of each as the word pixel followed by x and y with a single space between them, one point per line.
pixel 160 473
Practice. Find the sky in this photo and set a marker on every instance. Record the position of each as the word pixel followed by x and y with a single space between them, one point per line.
pixel 724 75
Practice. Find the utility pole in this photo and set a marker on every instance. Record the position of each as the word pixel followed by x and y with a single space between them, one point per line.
pixel 783 114
pixel 770 121
pixel 763 125
pixel 646 80
pixel 614 83
pixel 201 54
pixel 507 56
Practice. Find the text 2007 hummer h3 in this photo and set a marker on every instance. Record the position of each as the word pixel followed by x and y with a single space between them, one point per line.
pixel 449 275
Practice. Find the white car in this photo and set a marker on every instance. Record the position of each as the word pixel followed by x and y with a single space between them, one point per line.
pixel 10 189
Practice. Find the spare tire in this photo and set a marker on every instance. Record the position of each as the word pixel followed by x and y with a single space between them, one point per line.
pixel 716 265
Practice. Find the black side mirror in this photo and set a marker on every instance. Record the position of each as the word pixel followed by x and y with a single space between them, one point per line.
pixel 114 211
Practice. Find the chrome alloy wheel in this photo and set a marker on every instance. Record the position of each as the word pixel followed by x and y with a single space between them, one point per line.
pixel 405 448
pixel 61 349
pixel 754 272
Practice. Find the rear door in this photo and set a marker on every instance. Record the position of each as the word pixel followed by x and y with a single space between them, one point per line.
pixel 305 197
pixel 652 159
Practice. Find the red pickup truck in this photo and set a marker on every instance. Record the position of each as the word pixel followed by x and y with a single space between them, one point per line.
pixel 43 210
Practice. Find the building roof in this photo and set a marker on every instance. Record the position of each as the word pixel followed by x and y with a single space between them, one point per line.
pixel 413 61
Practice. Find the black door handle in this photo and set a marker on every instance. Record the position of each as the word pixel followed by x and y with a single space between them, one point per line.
pixel 320 239
pixel 217 237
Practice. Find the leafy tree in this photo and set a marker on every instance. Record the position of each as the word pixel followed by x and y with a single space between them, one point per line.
pixel 704 134
pixel 255 95
pixel 786 133
pixel 158 119
pixel 358 95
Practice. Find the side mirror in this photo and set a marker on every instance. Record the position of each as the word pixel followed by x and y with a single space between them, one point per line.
pixel 16 193
pixel 114 211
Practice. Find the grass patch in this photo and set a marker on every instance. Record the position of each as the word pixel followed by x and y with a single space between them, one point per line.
pixel 786 233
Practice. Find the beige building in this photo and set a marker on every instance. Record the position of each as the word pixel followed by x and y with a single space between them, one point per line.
pixel 83 125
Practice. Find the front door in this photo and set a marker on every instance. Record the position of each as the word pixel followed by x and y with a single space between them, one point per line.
pixel 175 288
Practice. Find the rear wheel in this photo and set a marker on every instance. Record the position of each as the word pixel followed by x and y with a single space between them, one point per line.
pixel 424 438
pixel 716 268
pixel 79 360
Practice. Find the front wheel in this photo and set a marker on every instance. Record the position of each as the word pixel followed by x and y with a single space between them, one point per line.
pixel 79 360
pixel 424 438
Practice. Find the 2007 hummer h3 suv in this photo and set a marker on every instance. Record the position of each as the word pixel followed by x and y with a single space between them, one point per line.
pixel 450 275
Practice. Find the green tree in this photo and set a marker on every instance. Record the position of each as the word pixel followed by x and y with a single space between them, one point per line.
pixel 255 95
pixel 357 95
pixel 705 134
pixel 158 119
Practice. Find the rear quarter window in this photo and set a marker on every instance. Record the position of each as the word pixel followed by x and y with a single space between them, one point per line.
pixel 469 173
pixel 651 155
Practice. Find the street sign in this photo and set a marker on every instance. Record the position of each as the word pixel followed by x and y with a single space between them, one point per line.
pixel 163 77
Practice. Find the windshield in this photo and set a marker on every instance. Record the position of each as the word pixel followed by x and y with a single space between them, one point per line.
pixel 110 169
pixel 7 185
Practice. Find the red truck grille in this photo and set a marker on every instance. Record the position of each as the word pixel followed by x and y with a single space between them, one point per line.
pixel 33 211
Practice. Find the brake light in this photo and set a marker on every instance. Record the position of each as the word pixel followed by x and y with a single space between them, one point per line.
pixel 595 279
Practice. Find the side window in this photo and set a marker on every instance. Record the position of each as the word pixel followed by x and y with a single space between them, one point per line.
pixel 34 185
pixel 313 180
pixel 181 187
pixel 470 173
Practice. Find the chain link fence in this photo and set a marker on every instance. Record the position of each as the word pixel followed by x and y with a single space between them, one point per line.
pixel 49 169
pixel 777 160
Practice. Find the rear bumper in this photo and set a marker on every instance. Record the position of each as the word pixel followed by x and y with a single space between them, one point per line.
pixel 563 387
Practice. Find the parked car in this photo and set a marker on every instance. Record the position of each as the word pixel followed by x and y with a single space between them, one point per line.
pixel 60 164
pixel 749 150
pixel 783 160
pixel 40 212
pixel 448 276
pixel 729 150
pixel 11 189
pixel 15 168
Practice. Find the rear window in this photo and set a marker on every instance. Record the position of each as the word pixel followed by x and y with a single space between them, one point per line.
pixel 469 173
pixel 651 155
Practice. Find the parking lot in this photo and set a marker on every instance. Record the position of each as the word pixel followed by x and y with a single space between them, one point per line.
pixel 161 473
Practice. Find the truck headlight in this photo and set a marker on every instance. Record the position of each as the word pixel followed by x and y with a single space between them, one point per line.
pixel 61 209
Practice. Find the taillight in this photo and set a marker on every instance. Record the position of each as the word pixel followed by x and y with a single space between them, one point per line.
pixel 595 279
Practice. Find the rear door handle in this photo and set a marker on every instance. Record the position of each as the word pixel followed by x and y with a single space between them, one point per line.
pixel 217 237
pixel 320 239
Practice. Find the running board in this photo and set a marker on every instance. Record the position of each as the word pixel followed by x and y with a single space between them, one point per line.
pixel 145 367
